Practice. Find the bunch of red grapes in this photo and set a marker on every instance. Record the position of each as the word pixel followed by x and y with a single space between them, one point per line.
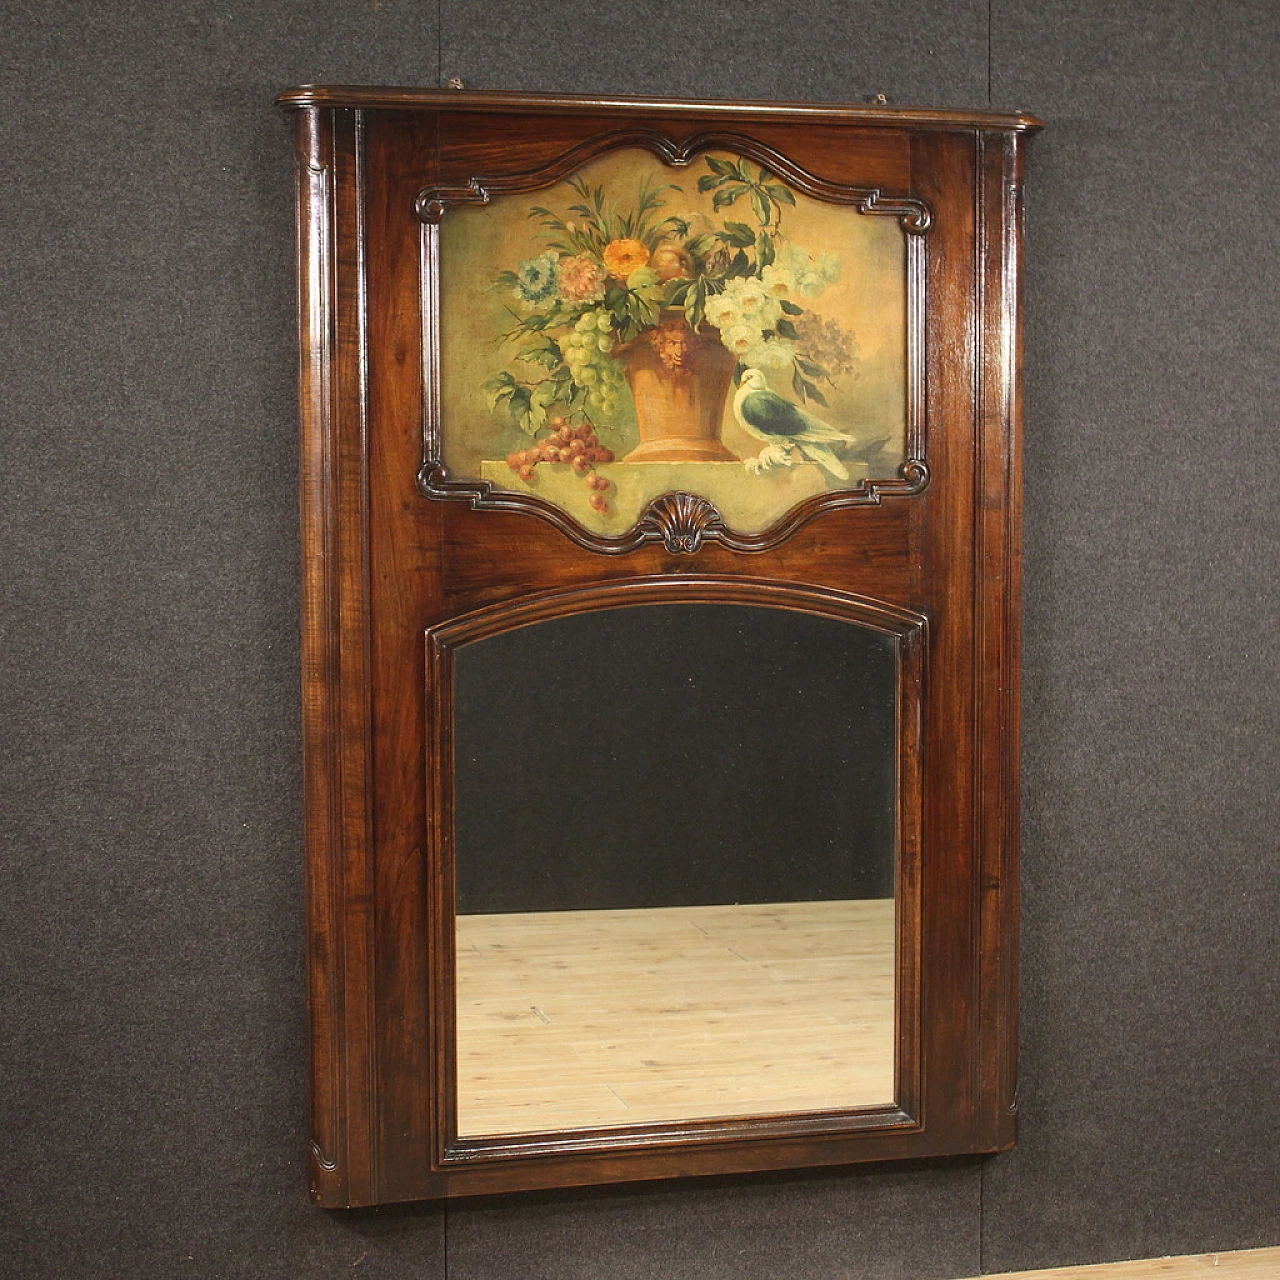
pixel 577 446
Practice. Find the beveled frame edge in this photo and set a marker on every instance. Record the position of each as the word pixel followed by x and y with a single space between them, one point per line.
pixel 335 639
pixel 677 1141
pixel 999 170
pixel 654 523
pixel 393 97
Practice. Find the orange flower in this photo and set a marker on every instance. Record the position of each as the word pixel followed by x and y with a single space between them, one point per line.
pixel 622 257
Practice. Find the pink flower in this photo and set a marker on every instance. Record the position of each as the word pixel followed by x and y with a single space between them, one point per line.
pixel 581 280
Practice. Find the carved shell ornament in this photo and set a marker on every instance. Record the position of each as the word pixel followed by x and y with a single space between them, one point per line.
pixel 681 519
pixel 641 354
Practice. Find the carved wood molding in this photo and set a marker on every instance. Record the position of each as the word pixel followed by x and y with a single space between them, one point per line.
pixel 682 522
pixel 914 215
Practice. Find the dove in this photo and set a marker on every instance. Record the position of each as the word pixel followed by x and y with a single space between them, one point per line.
pixel 781 425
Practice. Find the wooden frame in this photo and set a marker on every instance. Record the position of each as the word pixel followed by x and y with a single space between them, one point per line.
pixel 404 561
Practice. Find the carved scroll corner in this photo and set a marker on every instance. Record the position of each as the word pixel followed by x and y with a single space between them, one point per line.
pixel 429 475
pixel 429 208
pixel 918 219
pixel 431 203
pixel 681 521
pixel 915 471
pixel 434 482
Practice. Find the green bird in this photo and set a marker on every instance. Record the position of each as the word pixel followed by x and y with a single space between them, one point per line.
pixel 783 425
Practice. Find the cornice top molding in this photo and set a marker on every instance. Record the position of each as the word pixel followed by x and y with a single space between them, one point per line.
pixel 390 98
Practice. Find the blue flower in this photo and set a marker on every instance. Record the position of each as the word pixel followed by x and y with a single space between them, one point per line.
pixel 538 279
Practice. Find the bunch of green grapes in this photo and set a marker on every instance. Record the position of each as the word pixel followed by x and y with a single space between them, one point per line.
pixel 588 353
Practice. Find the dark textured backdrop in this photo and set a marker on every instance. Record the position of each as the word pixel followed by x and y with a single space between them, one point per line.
pixel 151 1020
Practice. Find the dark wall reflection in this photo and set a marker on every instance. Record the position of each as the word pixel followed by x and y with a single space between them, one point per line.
pixel 675 755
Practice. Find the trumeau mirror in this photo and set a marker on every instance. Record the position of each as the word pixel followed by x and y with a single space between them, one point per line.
pixel 660 525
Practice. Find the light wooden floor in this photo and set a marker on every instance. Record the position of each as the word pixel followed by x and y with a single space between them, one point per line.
pixel 568 1019
pixel 1247 1264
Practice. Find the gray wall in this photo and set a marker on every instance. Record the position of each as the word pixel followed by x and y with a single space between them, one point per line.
pixel 151 1007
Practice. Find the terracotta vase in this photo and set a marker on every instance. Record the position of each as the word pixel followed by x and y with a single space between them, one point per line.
pixel 680 381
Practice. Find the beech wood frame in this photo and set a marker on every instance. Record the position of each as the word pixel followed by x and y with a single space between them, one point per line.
pixel 395 578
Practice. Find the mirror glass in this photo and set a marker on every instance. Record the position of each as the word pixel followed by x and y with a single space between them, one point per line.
pixel 675 831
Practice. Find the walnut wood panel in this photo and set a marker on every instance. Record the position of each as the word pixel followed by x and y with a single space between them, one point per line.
pixel 386 565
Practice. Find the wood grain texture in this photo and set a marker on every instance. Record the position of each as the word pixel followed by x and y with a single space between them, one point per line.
pixel 1243 1264
pixel 386 565
pixel 570 1019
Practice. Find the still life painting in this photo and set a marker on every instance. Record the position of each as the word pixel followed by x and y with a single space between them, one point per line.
pixel 639 329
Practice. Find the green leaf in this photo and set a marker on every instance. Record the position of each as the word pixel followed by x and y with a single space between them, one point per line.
pixel 723 167
pixel 737 234
pixel 805 389
pixel 519 406
pixel 546 351
pixel 781 194
pixel 615 302
pixel 727 195
pixel 764 250
pixel 790 308
pixel 696 305
pixel 740 266
pixel 707 181
pixel 536 323
pixel 676 292
pixel 810 369
pixel 762 204
pixel 787 330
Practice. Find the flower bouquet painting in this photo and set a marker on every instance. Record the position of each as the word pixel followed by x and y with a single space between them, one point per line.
pixel 639 329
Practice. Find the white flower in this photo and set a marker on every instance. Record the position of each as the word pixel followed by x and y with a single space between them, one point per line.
pixel 811 275
pixel 810 283
pixel 740 338
pixel 776 353
pixel 722 311
pixel 748 293
pixel 778 282
pixel 768 314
